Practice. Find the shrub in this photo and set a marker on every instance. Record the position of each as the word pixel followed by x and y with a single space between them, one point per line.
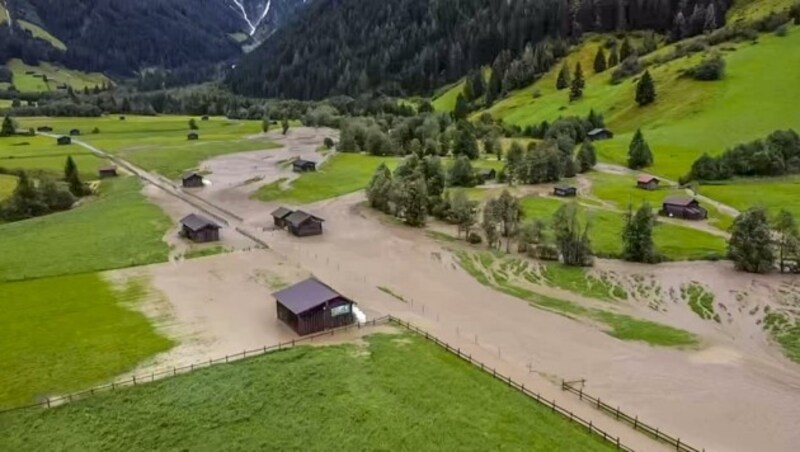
pixel 631 66
pixel 328 142
pixel 474 238
pixel 781 31
pixel 544 252
pixel 711 68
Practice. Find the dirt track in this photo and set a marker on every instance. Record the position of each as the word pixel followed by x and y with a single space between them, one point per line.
pixel 736 393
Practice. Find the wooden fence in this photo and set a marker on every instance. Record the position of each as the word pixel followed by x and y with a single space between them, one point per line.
pixel 634 421
pixel 174 371
pixel 549 404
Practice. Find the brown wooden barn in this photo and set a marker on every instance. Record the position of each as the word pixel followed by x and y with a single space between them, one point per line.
pixel 647 182
pixel 565 191
pixel 302 166
pixel 199 229
pixel 279 216
pixel 311 306
pixel 303 224
pixel 600 134
pixel 683 207
pixel 107 171
pixel 63 140
pixel 192 136
pixel 192 180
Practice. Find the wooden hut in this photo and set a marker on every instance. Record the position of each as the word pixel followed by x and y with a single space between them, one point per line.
pixel 74 132
pixel 192 180
pixel 199 229
pixel 600 134
pixel 279 216
pixel 647 182
pixel 565 191
pixel 302 166
pixel 683 207
pixel 303 224
pixel 487 174
pixel 44 129
pixel 107 171
pixel 63 140
pixel 204 118
pixel 192 136
pixel 311 306
pixel 121 118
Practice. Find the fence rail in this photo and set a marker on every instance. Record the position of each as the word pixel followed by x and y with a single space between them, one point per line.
pixel 174 371
pixel 549 404
pixel 634 421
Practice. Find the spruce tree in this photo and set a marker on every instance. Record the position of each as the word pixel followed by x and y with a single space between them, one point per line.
pixel 600 61
pixel 193 124
pixel 415 203
pixel 73 179
pixel 750 245
pixel 645 90
pixel 380 188
pixel 639 154
pixel 578 83
pixel 613 58
pixel 637 237
pixel 8 128
pixel 587 157
pixel 495 87
pixel 461 109
pixel 563 78
pixel 625 50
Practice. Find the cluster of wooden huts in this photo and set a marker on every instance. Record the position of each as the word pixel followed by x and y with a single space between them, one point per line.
pixel 298 222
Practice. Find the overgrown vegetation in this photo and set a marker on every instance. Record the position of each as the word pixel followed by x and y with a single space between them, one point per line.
pixel 700 300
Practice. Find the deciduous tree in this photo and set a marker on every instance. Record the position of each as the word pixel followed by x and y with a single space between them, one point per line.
pixel 750 245
pixel 637 236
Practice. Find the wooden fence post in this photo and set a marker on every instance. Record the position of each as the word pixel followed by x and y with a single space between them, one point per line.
pixel 678 446
pixel 617 413
pixel 580 394
pixel 48 402
pixel 134 380
pixel 636 422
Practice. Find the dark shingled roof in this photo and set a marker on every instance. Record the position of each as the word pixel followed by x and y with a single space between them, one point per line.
pixel 679 201
pixel 300 161
pixel 305 295
pixel 107 168
pixel 197 222
pixel 565 187
pixel 282 212
pixel 191 174
pixel 299 217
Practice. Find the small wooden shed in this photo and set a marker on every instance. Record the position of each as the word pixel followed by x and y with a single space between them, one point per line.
pixel 44 129
pixel 600 134
pixel 683 207
pixel 192 136
pixel 74 132
pixel 487 174
pixel 107 171
pixel 311 306
pixel 192 180
pixel 565 191
pixel 647 182
pixel 204 118
pixel 279 216
pixel 200 229
pixel 121 118
pixel 302 166
pixel 63 140
pixel 303 224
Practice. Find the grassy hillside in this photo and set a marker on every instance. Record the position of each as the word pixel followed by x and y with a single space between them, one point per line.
pixel 41 33
pixel 446 101
pixel 7 185
pixel 56 75
pixel 346 397
pixel 69 333
pixel 119 228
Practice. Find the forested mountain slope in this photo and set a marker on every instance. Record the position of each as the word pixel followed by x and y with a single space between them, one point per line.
pixel 412 46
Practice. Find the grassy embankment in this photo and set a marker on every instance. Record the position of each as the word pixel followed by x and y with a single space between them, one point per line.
pixel 159 143
pixel 311 398
pixel 515 277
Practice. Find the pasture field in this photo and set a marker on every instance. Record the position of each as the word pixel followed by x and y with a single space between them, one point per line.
pixel 119 228
pixel 41 33
pixel 621 191
pixel 772 193
pixel 7 185
pixel 605 229
pixel 446 101
pixel 309 398
pixel 159 143
pixel 69 333
pixel 56 75
pixel 42 153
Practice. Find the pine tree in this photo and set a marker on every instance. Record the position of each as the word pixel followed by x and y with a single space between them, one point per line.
pixel 639 154
pixel 645 90
pixel 465 142
pixel 637 236
pixel 461 109
pixel 710 23
pixel 193 124
pixel 578 83
pixel 600 61
pixel 563 78
pixel 73 179
pixel 415 203
pixel 750 245
pixel 495 87
pixel 613 58
pixel 626 50
pixel 587 157
pixel 379 189
pixel 8 127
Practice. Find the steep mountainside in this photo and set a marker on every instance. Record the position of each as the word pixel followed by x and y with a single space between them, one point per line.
pixel 410 46
pixel 263 17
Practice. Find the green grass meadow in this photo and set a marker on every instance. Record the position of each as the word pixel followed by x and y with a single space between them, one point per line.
pixel 772 193
pixel 56 75
pixel 7 185
pixel 42 153
pixel 119 228
pixel 159 143
pixel 346 397
pixel 69 333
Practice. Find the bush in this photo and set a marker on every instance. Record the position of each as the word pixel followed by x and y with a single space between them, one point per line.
pixel 631 66
pixel 781 31
pixel 711 68
pixel 543 252
pixel 95 131
pixel 474 238
pixel 328 142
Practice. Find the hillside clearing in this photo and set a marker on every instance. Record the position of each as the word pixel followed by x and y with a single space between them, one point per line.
pixel 69 333
pixel 40 33
pixel 118 228
pixel 308 398
pixel 56 75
